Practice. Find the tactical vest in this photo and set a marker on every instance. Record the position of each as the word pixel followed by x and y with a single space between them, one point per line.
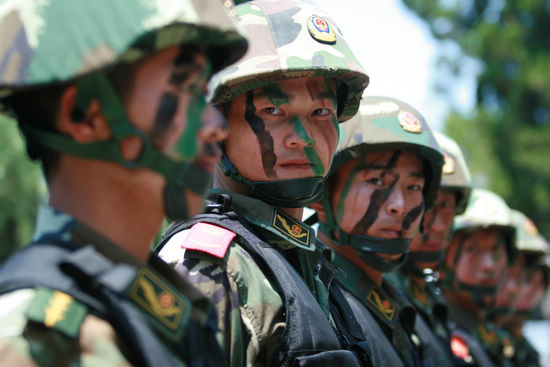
pixel 95 281
pixel 309 339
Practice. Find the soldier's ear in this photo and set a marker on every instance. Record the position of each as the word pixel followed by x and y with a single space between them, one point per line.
pixel 92 127
pixel 320 210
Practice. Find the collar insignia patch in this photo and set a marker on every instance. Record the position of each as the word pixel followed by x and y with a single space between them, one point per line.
pixel 166 308
pixel 321 30
pixel 409 122
pixel 449 165
pixel 57 310
pixel 488 336
pixel 292 228
pixel 419 294
pixel 382 304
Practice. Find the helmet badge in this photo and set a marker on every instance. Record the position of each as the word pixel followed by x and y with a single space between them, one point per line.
pixel 409 122
pixel 321 30
pixel 449 165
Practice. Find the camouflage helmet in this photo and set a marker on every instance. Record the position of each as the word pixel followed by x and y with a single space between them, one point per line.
pixel 385 123
pixel 455 173
pixel 528 238
pixel 37 48
pixel 290 39
pixel 488 210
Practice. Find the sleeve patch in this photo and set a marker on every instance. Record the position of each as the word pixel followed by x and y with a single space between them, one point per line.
pixel 57 310
pixel 208 238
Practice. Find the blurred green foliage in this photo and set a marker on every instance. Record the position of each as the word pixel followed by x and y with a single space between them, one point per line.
pixel 22 189
pixel 506 137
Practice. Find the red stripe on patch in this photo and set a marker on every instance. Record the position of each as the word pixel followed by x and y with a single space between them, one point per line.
pixel 208 238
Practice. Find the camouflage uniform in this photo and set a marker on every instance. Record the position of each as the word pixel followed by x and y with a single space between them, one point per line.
pixel 73 297
pixel 476 339
pixel 421 285
pixel 252 303
pixel 384 124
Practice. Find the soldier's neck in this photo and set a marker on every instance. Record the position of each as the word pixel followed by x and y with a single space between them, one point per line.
pixel 466 302
pixel 351 255
pixel 111 201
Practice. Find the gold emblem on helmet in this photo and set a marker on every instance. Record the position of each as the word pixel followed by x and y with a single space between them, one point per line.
pixel 409 122
pixel 321 30
pixel 449 165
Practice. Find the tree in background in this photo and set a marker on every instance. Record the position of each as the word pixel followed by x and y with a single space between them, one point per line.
pixel 22 188
pixel 506 137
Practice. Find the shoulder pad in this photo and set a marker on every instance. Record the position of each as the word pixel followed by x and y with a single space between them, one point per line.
pixel 208 238
pixel 460 348
pixel 57 310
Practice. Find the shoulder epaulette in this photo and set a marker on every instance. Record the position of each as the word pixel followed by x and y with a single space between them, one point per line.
pixel 208 238
pixel 57 310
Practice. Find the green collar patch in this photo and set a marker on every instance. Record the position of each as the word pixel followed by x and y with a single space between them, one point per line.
pixel 489 337
pixel 419 295
pixel 166 309
pixel 57 310
pixel 299 233
pixel 382 304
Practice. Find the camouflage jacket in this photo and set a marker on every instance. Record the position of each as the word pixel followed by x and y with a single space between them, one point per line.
pixel 482 344
pixel 394 315
pixel 48 327
pixel 250 307
pixel 430 321
pixel 526 355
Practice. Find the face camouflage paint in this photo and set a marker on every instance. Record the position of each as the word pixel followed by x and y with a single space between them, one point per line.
pixel 276 95
pixel 311 154
pixel 379 197
pixel 412 215
pixel 265 140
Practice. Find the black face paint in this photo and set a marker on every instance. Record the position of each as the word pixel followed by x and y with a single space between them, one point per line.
pixel 265 140
pixel 378 197
pixel 412 215
pixel 166 111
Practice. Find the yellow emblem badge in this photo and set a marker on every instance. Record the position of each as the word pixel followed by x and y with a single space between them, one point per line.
pixel 321 30
pixel 384 306
pixel 290 227
pixel 449 165
pixel 161 304
pixel 409 122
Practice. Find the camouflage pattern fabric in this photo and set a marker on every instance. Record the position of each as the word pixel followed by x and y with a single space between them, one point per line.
pixel 392 312
pixel 528 237
pixel 38 48
pixel 290 39
pixel 45 327
pixel 249 307
pixel 456 175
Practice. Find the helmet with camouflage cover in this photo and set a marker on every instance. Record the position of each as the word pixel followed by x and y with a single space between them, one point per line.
pixel 45 43
pixel 455 173
pixel 289 39
pixel 59 40
pixel 488 210
pixel 528 238
pixel 385 123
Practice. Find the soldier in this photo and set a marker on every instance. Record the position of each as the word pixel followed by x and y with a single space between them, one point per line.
pixel 386 171
pixel 521 292
pixel 110 96
pixel 482 245
pixel 418 277
pixel 260 265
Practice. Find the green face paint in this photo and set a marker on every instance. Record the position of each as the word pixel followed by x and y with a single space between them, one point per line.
pixel 276 95
pixel 351 178
pixel 334 104
pixel 318 167
pixel 188 145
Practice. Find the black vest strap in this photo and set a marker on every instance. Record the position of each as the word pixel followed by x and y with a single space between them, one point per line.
pixel 95 281
pixel 309 339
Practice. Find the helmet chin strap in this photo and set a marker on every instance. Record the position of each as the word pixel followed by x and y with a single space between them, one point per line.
pixel 368 248
pixel 294 193
pixel 415 257
pixel 479 293
pixel 180 176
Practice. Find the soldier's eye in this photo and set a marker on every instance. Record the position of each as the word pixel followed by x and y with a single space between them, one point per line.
pixel 375 181
pixel 274 111
pixel 322 112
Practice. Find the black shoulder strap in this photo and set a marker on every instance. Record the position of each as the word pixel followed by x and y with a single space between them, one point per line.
pixel 95 281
